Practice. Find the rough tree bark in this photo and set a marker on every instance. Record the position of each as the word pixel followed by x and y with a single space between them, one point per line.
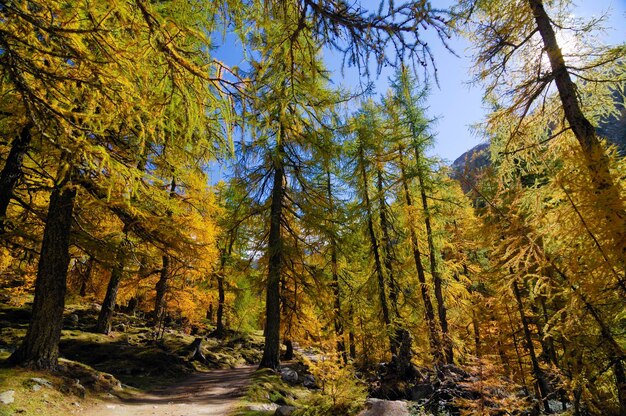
pixel 161 289
pixel 518 355
pixel 105 317
pixel 376 251
pixel 429 312
pixel 163 283
pixel 12 171
pixel 40 348
pixel 220 330
pixel 271 350
pixel 397 331
pixel 540 376
pixel 595 158
pixel 337 319
pixel 86 277
pixel 351 337
pixel 434 270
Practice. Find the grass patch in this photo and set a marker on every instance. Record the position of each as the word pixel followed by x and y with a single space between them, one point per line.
pixel 129 353
pixel 49 401
pixel 266 389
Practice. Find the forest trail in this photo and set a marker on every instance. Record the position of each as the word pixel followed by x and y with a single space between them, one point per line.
pixel 207 394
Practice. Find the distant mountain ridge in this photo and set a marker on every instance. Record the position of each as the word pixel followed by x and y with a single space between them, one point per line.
pixel 466 166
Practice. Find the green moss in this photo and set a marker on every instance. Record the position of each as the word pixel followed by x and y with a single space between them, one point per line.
pixel 267 387
pixel 45 401
pixel 133 356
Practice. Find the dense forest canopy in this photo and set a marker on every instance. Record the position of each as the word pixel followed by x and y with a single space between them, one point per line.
pixel 333 226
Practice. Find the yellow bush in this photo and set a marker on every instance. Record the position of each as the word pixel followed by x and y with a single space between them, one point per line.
pixel 340 390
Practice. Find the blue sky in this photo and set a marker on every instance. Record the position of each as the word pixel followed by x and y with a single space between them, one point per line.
pixel 455 103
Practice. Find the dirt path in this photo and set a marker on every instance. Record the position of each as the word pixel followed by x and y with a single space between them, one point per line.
pixel 207 394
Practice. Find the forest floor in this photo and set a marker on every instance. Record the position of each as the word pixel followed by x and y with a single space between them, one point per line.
pixel 130 372
pixel 127 372
pixel 213 393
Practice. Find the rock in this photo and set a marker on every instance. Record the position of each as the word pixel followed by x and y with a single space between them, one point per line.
pixel 288 375
pixel 75 388
pixel 36 387
pixel 279 400
pixel 376 407
pixel 309 382
pixel 262 407
pixel 41 381
pixel 7 397
pixel 79 390
pixel 284 410
pixel 421 392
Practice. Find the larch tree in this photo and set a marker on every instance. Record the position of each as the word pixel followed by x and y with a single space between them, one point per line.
pixel 553 259
pixel 408 98
pixel 289 100
pixel 519 57
pixel 93 112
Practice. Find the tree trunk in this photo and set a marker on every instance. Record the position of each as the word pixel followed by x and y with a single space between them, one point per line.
pixel 86 277
pixel 219 328
pixel 209 313
pixel 518 355
pixel 338 319
pixel 271 350
pixel 386 241
pixel 429 312
pixel 105 318
pixel 163 283
pixel 620 383
pixel 288 349
pixel 397 330
pixel 614 348
pixel 12 171
pixel 476 327
pixel 595 157
pixel 161 289
pixel 40 348
pixel 341 346
pixel 405 353
pixel 375 250
pixel 503 357
pixel 434 270
pixel 351 337
pixel 548 353
pixel 540 377
pixel 196 354
pixel 547 342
